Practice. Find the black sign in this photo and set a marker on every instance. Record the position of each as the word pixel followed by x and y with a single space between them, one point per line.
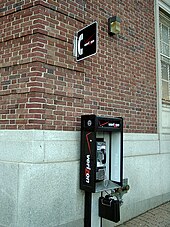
pixel 87 41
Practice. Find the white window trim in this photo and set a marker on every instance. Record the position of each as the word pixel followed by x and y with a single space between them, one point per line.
pixel 164 6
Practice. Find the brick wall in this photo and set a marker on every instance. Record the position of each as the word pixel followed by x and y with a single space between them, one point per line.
pixel 43 87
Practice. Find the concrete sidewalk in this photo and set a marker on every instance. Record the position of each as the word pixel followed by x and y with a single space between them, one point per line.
pixel 157 217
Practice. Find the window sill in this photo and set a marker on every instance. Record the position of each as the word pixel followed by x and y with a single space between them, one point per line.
pixel 166 102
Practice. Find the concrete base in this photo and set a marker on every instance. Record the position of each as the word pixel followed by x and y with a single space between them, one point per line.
pixel 40 195
pixel 39 178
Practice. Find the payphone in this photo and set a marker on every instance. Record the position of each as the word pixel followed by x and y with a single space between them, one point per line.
pixel 101 165
pixel 101 161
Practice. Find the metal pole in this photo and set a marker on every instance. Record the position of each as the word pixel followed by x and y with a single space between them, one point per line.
pixel 87 210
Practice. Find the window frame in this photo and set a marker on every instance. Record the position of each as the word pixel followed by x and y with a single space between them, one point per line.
pixel 164 21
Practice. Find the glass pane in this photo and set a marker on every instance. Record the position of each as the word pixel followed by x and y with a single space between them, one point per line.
pixel 161 48
pixel 165 90
pixel 165 71
pixel 165 49
pixel 160 29
pixel 165 37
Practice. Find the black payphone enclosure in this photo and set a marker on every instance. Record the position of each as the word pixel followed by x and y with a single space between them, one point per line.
pixel 90 126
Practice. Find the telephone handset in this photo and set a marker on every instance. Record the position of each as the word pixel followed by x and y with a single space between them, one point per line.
pixel 101 159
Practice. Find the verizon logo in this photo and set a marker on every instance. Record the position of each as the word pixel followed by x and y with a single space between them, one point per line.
pixel 87 169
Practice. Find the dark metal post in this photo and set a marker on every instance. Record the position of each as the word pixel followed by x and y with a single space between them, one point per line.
pixel 87 211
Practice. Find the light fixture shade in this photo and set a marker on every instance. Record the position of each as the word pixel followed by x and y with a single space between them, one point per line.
pixel 114 25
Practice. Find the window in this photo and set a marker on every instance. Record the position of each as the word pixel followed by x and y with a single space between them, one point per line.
pixel 165 55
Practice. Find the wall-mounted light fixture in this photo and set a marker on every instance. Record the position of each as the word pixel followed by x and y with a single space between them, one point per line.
pixel 114 25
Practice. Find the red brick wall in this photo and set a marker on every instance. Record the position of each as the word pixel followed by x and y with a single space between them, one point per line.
pixel 43 87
